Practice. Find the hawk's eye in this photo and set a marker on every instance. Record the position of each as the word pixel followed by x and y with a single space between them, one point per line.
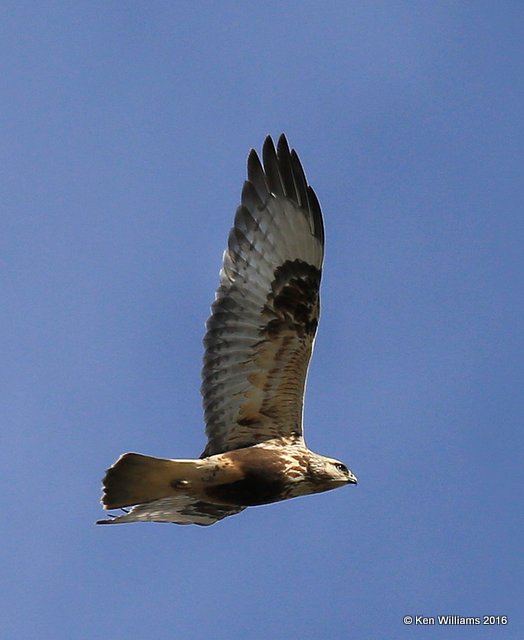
pixel 341 467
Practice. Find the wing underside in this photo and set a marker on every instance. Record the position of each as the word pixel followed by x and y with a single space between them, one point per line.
pixel 181 509
pixel 260 335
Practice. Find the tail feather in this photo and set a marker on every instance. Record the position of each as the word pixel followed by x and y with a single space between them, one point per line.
pixel 135 479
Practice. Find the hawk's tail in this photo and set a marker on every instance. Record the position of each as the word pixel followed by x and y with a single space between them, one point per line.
pixel 162 490
pixel 135 479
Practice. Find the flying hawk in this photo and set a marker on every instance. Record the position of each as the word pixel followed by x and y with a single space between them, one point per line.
pixel 258 345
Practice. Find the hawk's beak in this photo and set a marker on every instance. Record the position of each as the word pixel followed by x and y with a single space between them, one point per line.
pixel 352 479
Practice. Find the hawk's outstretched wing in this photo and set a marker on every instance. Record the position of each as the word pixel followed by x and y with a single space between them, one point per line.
pixel 264 319
pixel 182 509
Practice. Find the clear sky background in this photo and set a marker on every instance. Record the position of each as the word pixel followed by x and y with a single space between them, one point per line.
pixel 125 128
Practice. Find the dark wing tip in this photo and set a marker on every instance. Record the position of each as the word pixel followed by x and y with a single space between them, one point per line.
pixel 286 177
pixel 286 169
pixel 283 169
pixel 316 214
pixel 256 175
pixel 271 167
pixel 281 173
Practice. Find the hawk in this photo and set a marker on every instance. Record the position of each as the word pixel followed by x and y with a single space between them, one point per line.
pixel 258 345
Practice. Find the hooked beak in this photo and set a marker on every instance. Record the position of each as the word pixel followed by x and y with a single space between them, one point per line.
pixel 352 479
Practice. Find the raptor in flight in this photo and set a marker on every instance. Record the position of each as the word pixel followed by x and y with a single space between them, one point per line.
pixel 258 345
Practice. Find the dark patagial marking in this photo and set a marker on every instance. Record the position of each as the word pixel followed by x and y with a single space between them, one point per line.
pixel 294 298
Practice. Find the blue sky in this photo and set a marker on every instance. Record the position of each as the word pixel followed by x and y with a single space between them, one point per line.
pixel 125 131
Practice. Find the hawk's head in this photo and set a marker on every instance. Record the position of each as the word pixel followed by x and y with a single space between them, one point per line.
pixel 329 473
